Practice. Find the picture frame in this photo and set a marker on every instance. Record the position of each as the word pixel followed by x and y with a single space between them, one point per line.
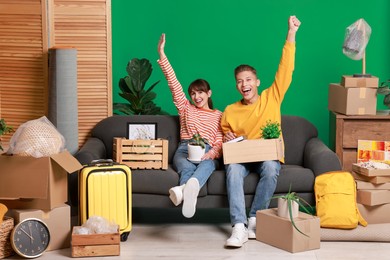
pixel 142 131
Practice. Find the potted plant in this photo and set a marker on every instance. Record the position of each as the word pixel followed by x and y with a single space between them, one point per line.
pixel 140 100
pixel 288 207
pixel 384 89
pixel 271 130
pixel 196 147
pixel 4 129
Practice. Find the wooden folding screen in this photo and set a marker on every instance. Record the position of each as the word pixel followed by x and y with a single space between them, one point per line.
pixel 28 28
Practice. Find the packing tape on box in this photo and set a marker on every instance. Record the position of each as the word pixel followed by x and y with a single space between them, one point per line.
pixel 361 111
pixel 362 93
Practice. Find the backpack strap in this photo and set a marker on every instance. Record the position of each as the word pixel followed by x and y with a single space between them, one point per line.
pixel 362 221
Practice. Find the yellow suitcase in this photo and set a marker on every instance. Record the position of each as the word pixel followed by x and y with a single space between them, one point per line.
pixel 105 190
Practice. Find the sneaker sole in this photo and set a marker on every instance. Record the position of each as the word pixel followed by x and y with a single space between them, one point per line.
pixel 190 196
pixel 251 235
pixel 232 244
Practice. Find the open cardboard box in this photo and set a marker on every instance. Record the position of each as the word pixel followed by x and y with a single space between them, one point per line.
pixel 279 232
pixel 256 150
pixel 36 183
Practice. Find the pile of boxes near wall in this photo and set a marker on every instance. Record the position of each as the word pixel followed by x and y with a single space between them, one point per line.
pixel 373 183
pixel 38 188
pixel 354 95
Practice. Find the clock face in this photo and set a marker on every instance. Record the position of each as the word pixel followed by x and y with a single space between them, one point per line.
pixel 30 238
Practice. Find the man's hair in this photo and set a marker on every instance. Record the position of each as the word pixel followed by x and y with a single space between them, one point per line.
pixel 201 85
pixel 244 67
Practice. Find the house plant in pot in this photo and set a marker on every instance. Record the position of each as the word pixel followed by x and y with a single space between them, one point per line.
pixel 4 129
pixel 196 148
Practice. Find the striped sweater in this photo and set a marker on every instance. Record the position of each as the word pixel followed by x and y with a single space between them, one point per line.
pixel 192 119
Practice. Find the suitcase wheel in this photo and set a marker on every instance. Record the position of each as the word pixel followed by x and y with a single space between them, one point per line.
pixel 124 236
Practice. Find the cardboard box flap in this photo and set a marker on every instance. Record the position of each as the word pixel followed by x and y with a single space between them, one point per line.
pixel 67 161
pixel 16 182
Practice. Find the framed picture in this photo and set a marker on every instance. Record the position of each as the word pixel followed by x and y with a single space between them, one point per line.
pixel 142 131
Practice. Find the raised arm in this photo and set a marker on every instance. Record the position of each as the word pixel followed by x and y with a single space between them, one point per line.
pixel 161 46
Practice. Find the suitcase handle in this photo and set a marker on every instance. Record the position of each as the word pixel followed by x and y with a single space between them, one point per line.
pixel 101 162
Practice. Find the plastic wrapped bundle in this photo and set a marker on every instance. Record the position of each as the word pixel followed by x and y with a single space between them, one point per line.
pixel 357 36
pixel 37 138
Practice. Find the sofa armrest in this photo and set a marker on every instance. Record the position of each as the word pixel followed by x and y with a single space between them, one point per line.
pixel 93 149
pixel 319 158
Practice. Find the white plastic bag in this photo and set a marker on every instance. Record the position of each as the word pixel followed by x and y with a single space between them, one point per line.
pixel 356 38
pixel 37 138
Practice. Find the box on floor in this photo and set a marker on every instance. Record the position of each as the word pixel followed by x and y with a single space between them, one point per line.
pixel 279 232
pixel 352 101
pixel 57 220
pixel 36 183
pixel 375 214
pixel 255 150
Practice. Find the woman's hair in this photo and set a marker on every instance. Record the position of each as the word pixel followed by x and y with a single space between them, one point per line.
pixel 201 85
pixel 244 67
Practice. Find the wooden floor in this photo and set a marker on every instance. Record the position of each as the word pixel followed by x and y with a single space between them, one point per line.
pixel 174 237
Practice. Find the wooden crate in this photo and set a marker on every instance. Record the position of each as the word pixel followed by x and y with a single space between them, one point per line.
pixel 95 244
pixel 5 233
pixel 141 154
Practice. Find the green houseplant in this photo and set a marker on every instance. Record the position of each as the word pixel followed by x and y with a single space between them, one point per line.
pixel 4 129
pixel 140 99
pixel 271 130
pixel 198 140
pixel 196 147
pixel 291 198
pixel 384 89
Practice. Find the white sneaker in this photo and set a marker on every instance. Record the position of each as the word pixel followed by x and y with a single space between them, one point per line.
pixel 176 194
pixel 239 236
pixel 190 196
pixel 252 228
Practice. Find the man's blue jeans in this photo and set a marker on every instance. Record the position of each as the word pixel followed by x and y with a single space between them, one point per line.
pixel 187 169
pixel 236 173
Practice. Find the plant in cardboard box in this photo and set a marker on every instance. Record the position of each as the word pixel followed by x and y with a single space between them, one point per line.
pixel 4 129
pixel 140 100
pixel 196 147
pixel 288 207
pixel 384 89
pixel 271 130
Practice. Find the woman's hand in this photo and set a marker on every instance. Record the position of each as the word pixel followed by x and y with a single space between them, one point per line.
pixel 161 46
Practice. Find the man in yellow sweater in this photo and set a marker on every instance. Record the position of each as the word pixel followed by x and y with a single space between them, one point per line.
pixel 245 118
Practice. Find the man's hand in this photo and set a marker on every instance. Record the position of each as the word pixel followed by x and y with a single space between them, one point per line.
pixel 293 23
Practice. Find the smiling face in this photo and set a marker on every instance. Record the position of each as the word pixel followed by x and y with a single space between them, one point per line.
pixel 247 83
pixel 200 94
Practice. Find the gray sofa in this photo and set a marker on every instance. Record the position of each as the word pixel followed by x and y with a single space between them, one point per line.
pixel 306 156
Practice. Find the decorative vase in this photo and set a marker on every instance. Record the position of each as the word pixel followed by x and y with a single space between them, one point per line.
pixel 195 152
pixel 283 208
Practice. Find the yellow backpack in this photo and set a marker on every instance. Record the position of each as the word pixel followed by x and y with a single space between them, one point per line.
pixel 335 194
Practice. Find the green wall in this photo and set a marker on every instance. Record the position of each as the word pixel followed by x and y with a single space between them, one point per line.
pixel 209 38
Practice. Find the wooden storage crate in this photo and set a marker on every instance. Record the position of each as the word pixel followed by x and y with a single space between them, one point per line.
pixel 6 228
pixel 141 154
pixel 95 244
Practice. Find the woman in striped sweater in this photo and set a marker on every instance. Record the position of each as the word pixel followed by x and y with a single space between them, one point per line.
pixel 197 116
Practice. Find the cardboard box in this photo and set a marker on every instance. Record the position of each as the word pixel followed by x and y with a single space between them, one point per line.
pixel 57 220
pixel 352 101
pixel 95 244
pixel 257 150
pixel 279 232
pixel 359 82
pixel 373 179
pixel 370 172
pixel 36 183
pixel 375 214
pixel 141 154
pixel 365 185
pixel 373 197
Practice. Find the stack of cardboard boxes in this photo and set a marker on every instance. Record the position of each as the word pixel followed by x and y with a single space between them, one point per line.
pixel 38 188
pixel 354 95
pixel 373 185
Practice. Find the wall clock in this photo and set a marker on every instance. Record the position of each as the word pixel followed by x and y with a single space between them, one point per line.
pixel 30 238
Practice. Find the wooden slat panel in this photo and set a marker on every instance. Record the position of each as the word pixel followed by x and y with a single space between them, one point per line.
pixel 85 25
pixel 23 65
